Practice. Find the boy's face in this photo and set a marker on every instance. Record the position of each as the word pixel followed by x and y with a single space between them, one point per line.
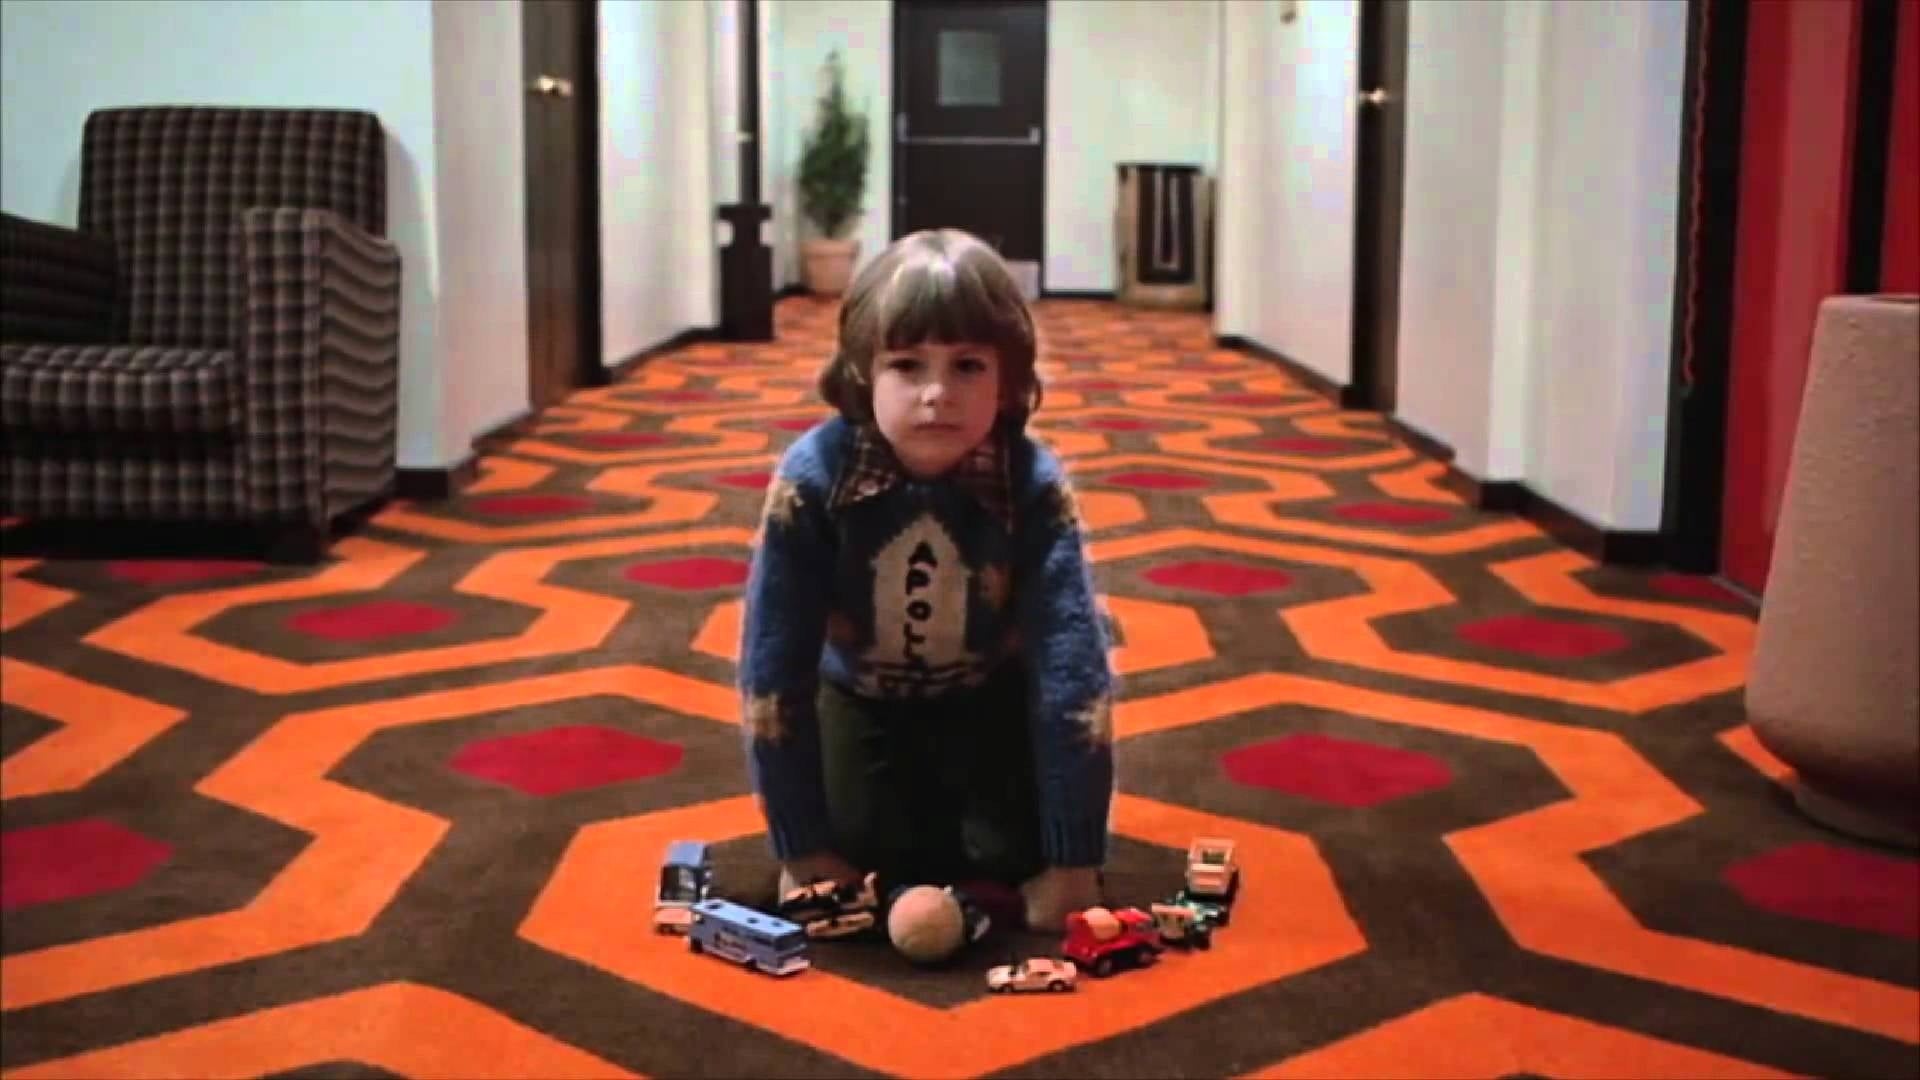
pixel 934 403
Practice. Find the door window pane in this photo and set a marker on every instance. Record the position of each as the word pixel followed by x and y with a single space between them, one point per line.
pixel 969 66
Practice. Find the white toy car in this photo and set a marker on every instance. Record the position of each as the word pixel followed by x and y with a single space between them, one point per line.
pixel 1033 973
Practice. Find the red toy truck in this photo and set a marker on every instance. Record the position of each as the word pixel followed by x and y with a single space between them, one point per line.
pixel 1101 941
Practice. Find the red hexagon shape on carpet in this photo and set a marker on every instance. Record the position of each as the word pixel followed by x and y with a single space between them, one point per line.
pixel 1126 423
pixel 1392 513
pixel 690 574
pixel 1338 771
pixel 1153 480
pixel 1251 400
pixel 751 481
pixel 530 505
pixel 180 571
pixel 42 864
pixel 372 621
pixel 1219 577
pixel 1303 444
pixel 1549 638
pixel 621 440
pixel 558 760
pixel 1692 587
pixel 1842 887
pixel 673 397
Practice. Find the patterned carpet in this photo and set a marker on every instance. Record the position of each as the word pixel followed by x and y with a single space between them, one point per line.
pixel 400 814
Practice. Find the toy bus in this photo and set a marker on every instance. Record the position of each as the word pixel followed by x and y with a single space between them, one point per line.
pixel 739 933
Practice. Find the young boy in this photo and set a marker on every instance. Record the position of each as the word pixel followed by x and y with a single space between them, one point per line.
pixel 923 668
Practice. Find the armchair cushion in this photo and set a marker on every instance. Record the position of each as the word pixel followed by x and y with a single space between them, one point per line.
pixel 57 284
pixel 118 388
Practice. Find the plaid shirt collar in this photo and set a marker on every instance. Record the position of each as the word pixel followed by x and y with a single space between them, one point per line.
pixel 872 469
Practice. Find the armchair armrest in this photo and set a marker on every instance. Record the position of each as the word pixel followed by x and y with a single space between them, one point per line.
pixel 319 351
pixel 57 285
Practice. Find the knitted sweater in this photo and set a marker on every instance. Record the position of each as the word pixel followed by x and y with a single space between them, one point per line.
pixel 899 588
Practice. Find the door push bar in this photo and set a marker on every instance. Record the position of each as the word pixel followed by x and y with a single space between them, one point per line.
pixel 1032 138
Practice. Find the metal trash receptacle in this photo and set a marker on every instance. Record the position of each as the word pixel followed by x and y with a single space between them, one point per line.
pixel 1163 235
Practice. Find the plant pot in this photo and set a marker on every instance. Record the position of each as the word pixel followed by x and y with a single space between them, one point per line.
pixel 828 264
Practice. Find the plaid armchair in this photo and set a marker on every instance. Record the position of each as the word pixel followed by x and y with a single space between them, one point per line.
pixel 219 339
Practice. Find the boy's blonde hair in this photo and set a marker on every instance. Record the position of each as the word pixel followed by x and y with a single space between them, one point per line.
pixel 936 285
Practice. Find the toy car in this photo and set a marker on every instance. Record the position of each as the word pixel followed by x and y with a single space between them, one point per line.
pixel 686 878
pixel 826 909
pixel 1034 973
pixel 1103 941
pixel 1212 871
pixel 1182 926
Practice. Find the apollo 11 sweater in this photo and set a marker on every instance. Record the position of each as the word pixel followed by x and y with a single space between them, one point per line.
pixel 898 588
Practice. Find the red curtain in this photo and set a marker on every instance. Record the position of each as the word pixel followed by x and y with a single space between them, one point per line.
pixel 1900 240
pixel 1797 147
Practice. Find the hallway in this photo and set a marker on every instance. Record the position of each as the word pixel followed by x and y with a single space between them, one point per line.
pixel 1495 800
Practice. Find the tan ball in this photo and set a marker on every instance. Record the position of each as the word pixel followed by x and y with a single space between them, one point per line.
pixel 925 924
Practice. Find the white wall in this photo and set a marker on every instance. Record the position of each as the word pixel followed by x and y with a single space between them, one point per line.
pixel 1538 244
pixel 723 88
pixel 1136 80
pixel 657 257
pixel 1240 208
pixel 59 61
pixel 1164 109
pixel 479 150
pixel 1509 425
pixel 444 78
pixel 1451 203
pixel 1285 226
pixel 802 33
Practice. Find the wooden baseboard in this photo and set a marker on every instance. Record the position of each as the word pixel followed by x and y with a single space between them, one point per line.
pixel 1623 547
pixel 1419 440
pixel 436 483
pixel 1338 393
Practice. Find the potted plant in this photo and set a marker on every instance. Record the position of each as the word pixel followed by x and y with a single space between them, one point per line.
pixel 833 180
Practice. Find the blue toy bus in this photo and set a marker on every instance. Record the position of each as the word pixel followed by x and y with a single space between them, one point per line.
pixel 745 936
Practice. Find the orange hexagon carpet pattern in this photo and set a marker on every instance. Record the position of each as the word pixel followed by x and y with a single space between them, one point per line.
pixel 401 813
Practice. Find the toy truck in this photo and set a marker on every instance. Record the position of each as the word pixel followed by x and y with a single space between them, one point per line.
pixel 1212 913
pixel 686 878
pixel 1101 941
pixel 1212 871
pixel 1182 926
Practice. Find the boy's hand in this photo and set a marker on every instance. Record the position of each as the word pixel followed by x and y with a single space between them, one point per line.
pixel 810 868
pixel 1058 891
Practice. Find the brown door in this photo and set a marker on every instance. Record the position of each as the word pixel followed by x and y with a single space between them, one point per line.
pixel 559 47
pixel 970 116
pixel 1382 105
